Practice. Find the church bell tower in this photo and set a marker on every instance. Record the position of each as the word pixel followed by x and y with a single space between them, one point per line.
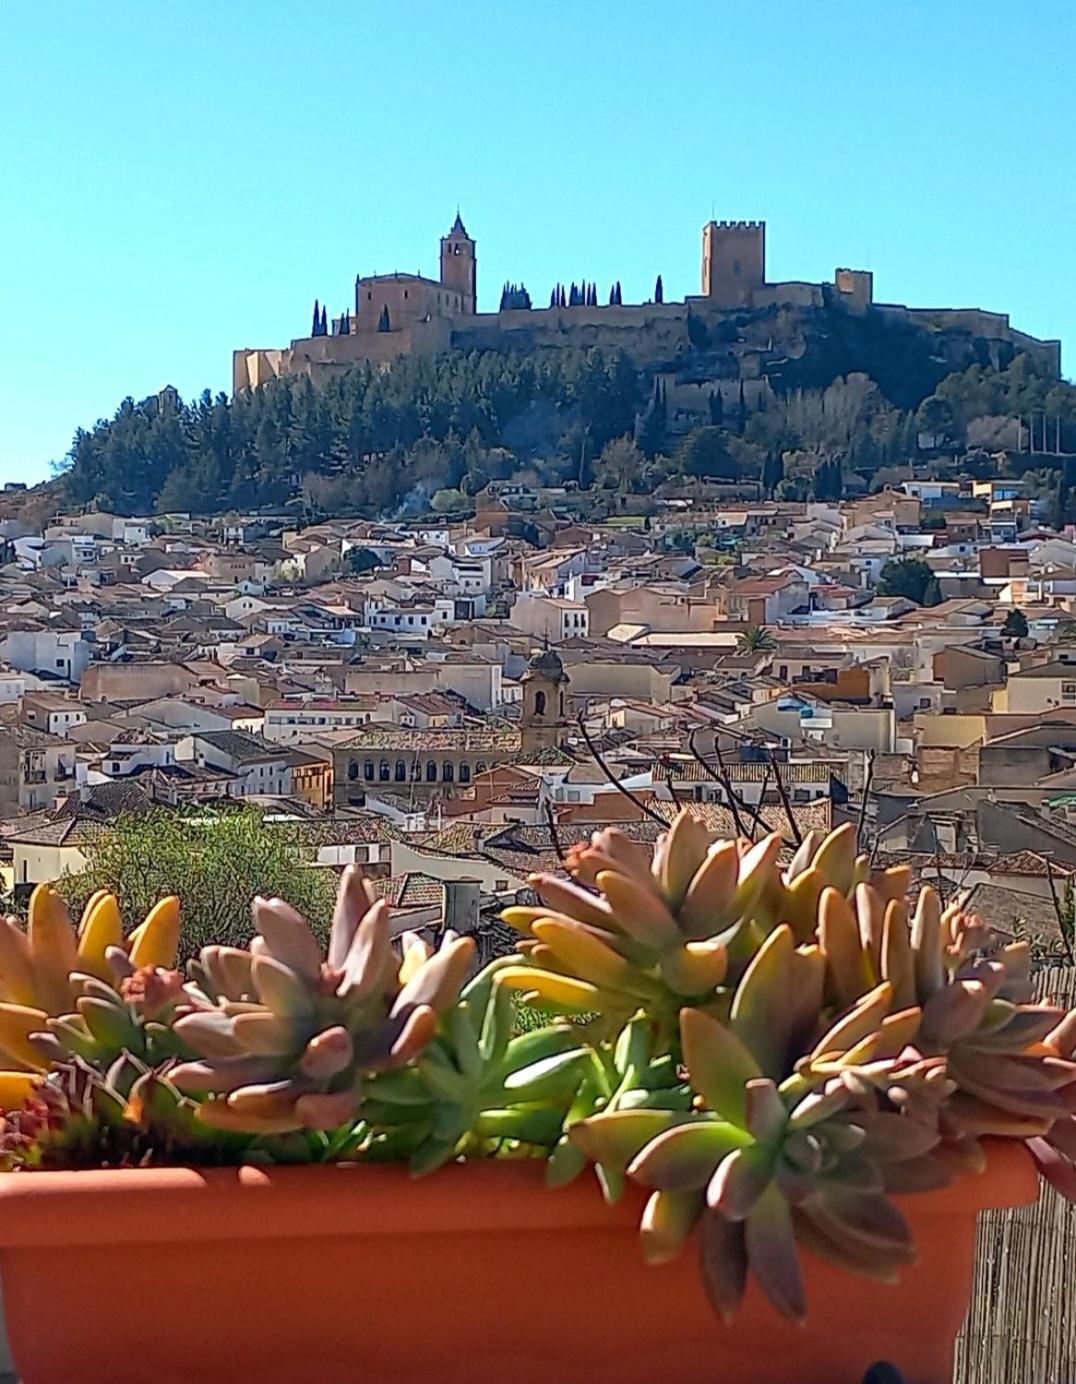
pixel 459 265
pixel 544 721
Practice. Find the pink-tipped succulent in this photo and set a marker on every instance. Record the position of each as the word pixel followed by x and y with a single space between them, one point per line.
pixel 285 1035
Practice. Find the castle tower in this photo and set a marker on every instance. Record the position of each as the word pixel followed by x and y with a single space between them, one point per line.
pixel 543 722
pixel 733 261
pixel 459 264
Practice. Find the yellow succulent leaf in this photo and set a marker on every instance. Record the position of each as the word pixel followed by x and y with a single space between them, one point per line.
pixel 562 992
pixel 15 1087
pixel 53 948
pixel 90 904
pixel 101 928
pixel 156 941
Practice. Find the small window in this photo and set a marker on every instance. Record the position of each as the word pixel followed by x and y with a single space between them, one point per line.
pixel 465 773
pixel 448 772
pixel 480 767
pixel 368 770
pixel 401 771
pixel 384 773
pixel 431 771
pixel 539 703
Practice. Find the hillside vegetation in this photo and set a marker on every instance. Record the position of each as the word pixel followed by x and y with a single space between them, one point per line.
pixel 385 442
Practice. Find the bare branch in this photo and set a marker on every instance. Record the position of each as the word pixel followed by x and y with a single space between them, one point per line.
pixel 782 793
pixel 867 783
pixel 551 818
pixel 1059 912
pixel 721 777
pixel 595 754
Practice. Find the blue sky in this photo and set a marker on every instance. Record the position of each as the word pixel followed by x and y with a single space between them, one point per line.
pixel 181 179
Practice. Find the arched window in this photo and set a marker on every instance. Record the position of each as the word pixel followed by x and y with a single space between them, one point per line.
pixel 401 771
pixel 447 771
pixel 465 773
pixel 353 769
pixel 480 767
pixel 431 771
pixel 368 771
pixel 539 703
pixel 384 773
pixel 416 769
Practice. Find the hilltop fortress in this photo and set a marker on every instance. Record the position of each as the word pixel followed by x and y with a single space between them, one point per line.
pixel 763 328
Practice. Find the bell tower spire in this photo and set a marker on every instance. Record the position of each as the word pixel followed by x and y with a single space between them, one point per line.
pixel 459 266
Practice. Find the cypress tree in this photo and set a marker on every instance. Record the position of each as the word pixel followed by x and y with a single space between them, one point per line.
pixel 743 408
pixel 659 291
pixel 619 294
pixel 717 408
pixel 324 321
pixel 612 294
pixel 315 330
pixel 553 303
pixel 383 324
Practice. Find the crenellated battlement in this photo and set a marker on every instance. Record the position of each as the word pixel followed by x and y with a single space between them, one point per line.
pixel 405 314
pixel 733 261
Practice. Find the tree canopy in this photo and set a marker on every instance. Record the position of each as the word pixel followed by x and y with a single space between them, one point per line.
pixel 368 437
pixel 216 861
pixel 910 577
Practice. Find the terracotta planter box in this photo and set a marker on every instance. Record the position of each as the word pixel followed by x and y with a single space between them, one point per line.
pixel 352 1275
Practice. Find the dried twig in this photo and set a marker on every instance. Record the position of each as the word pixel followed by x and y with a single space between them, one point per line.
pixel 1059 911
pixel 720 776
pixel 937 860
pixel 868 780
pixel 671 787
pixel 595 754
pixel 782 793
pixel 551 818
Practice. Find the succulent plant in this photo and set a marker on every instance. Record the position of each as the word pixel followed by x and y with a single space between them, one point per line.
pixel 657 933
pixel 678 927
pixel 478 1087
pixel 59 986
pixel 285 1036
pixel 127 1116
pixel 773 1052
pixel 786 1140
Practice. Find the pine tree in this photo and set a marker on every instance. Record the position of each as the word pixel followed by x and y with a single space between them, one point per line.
pixel 773 473
pixel 659 291
pixel 315 330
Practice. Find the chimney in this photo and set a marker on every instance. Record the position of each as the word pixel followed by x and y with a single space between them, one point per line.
pixel 461 898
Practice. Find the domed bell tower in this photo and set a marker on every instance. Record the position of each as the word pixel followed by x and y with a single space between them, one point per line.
pixel 459 269
pixel 544 720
